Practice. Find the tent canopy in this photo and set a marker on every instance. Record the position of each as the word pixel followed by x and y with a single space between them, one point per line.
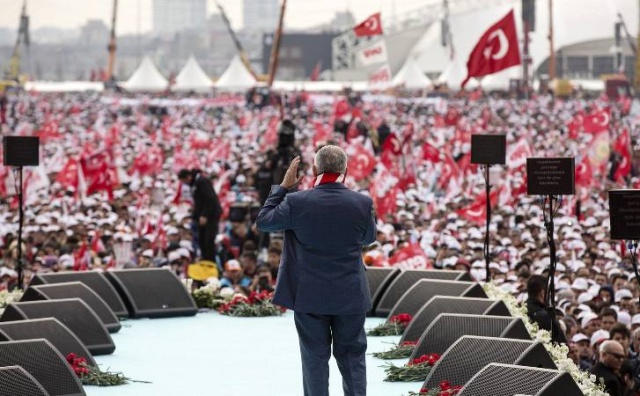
pixel 146 78
pixel 192 78
pixel 236 77
pixel 411 76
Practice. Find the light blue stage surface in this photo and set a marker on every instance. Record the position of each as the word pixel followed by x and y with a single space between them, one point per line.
pixel 215 355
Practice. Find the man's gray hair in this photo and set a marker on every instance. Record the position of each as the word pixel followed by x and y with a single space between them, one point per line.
pixel 331 159
pixel 607 346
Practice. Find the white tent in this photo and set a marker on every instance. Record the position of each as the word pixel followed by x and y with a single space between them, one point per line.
pixel 146 78
pixel 593 21
pixel 411 77
pixel 192 78
pixel 236 77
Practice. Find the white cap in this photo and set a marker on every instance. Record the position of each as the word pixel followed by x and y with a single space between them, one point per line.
pixel 579 337
pixel 588 318
pixel 635 319
pixel 580 284
pixel 173 256
pixel 623 293
pixel 598 336
pixel 148 253
pixel 624 318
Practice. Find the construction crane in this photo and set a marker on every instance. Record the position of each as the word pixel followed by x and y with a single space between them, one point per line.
pixel 236 42
pixel 109 78
pixel 12 73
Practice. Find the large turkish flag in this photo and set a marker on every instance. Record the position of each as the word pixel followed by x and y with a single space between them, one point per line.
pixel 496 50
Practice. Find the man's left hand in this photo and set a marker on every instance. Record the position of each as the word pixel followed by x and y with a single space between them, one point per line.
pixel 291 178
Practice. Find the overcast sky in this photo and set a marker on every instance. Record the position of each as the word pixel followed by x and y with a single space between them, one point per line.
pixel 135 15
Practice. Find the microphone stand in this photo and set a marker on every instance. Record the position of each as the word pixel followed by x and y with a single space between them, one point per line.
pixel 20 222
pixel 487 186
pixel 550 297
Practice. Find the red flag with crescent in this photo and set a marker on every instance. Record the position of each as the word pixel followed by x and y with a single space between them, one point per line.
pixel 496 50
pixel 371 26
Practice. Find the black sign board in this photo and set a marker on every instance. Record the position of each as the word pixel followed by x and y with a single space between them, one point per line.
pixel 624 212
pixel 488 149
pixel 551 176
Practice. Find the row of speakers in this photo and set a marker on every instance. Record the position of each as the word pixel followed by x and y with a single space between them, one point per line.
pixel 75 312
pixel 478 339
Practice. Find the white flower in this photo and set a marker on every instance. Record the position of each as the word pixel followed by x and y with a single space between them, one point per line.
pixel 559 353
pixel 227 292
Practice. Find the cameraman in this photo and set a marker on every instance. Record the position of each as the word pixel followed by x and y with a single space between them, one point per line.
pixel 262 280
pixel 285 152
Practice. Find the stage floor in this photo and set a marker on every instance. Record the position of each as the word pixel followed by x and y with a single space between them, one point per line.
pixel 211 354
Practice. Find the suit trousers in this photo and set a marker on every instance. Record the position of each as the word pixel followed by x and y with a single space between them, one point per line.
pixel 207 238
pixel 316 334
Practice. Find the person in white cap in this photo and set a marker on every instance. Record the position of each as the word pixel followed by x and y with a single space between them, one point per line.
pixel 584 352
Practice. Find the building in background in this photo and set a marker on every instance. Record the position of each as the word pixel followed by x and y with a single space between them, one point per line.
pixel 172 16
pixel 260 15
pixel 299 54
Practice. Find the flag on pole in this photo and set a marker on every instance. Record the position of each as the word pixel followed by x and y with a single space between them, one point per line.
pixel 315 73
pixel 496 50
pixel 371 26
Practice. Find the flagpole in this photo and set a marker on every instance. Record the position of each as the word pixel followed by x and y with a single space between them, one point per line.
pixel 552 52
pixel 525 60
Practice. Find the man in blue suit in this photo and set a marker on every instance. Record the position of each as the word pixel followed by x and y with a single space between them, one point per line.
pixel 322 277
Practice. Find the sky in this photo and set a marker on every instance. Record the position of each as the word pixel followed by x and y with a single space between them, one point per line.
pixel 135 15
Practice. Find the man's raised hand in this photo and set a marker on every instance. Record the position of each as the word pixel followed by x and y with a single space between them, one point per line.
pixel 291 178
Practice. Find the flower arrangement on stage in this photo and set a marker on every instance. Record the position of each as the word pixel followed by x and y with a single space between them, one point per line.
pixel 209 296
pixel 7 297
pixel 394 326
pixel 90 375
pixel 257 304
pixel 400 351
pixel 444 389
pixel 586 381
pixel 415 370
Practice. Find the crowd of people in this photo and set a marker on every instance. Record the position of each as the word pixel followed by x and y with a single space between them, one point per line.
pixel 115 189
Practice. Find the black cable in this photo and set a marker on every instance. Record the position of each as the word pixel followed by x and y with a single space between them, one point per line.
pixel 550 286
pixel 632 246
pixel 488 221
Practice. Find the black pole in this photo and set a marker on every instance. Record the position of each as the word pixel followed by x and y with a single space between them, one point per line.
pixel 487 186
pixel 550 289
pixel 633 245
pixel 20 221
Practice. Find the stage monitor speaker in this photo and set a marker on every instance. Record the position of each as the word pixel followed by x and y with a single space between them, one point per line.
pixel 471 354
pixel 152 293
pixel 52 330
pixel 405 280
pixel 447 328
pixel 79 290
pixel 21 150
pixel 74 313
pixel 507 380
pixel 455 305
pixel 96 281
pixel 488 149
pixel 423 290
pixel 14 380
pixel 40 359
pixel 379 279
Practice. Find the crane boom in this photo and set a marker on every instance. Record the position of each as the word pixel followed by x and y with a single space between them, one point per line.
pixel 236 41
pixel 112 43
pixel 13 70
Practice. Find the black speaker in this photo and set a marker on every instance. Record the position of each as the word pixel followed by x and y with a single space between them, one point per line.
pixel 471 354
pixel 507 380
pixel 52 330
pixel 488 149
pixel 79 290
pixel 447 328
pixel 74 313
pixel 153 293
pixel 423 290
pixel 456 305
pixel 40 359
pixel 390 296
pixel 14 380
pixel 92 279
pixel 21 150
pixel 379 279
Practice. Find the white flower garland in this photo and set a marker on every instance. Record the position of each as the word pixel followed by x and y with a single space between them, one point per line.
pixel 7 298
pixel 559 353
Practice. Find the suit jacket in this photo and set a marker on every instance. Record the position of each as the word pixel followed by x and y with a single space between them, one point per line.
pixel 325 228
pixel 612 382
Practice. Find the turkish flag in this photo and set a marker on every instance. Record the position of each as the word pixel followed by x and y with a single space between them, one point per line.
pixel 430 153
pixel 411 256
pixel 361 161
pixel 621 145
pixel 597 121
pixel 496 50
pixel 372 26
pixel 476 212
pixel 315 73
pixel 584 173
